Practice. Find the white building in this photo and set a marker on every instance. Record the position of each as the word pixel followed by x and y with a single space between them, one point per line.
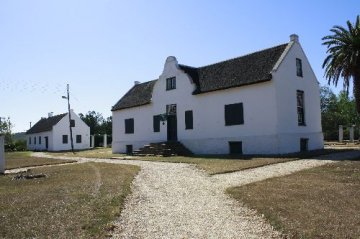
pixel 266 102
pixel 53 133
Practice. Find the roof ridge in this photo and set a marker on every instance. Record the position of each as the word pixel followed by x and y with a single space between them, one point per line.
pixel 248 54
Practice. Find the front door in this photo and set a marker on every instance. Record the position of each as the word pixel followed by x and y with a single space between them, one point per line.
pixel 171 128
pixel 171 122
pixel 46 142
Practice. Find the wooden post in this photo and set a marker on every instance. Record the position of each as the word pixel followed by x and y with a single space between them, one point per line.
pixel 341 133
pixel 105 140
pixel 2 155
pixel 92 139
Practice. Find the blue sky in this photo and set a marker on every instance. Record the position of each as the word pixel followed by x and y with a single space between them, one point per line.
pixel 101 47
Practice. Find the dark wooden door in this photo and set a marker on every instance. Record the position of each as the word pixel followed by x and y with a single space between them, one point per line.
pixel 171 128
pixel 46 142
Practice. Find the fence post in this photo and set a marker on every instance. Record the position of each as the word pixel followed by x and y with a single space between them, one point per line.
pixel 2 155
pixel 105 140
pixel 341 133
pixel 352 133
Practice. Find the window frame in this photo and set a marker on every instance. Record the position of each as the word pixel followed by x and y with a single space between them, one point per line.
pixel 229 113
pixel 299 68
pixel 129 126
pixel 65 139
pixel 300 108
pixel 78 136
pixel 171 83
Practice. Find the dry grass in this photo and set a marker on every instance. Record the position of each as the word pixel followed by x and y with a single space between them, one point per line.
pixel 90 153
pixel 219 165
pixel 24 159
pixel 212 164
pixel 73 201
pixel 322 202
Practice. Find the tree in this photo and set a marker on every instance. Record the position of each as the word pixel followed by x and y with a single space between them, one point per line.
pixel 97 123
pixel 343 59
pixel 5 129
pixel 335 111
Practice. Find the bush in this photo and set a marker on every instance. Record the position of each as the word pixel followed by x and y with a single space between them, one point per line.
pixel 18 145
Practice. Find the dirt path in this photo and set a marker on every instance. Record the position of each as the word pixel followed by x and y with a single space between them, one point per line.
pixel 178 201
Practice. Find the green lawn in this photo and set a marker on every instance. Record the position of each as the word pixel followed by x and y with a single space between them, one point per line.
pixel 322 202
pixel 73 201
pixel 24 159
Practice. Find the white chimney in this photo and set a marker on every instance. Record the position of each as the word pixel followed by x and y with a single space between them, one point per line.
pixel 294 38
pixel 50 114
pixel 136 82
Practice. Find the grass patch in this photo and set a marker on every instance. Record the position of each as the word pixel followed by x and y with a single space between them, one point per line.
pixel 89 153
pixel 73 201
pixel 212 164
pixel 217 164
pixel 322 202
pixel 24 159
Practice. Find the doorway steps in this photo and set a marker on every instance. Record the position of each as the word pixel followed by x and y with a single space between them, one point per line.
pixel 165 149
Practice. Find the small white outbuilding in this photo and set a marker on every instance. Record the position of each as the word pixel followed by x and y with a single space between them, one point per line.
pixel 266 102
pixel 53 133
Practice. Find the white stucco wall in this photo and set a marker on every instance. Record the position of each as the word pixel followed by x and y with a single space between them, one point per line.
pixel 287 83
pixel 60 129
pixel 38 146
pixel 270 113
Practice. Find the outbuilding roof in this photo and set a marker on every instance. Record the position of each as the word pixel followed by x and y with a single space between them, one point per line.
pixel 45 124
pixel 245 70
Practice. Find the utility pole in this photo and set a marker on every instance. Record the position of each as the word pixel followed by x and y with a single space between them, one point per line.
pixel 68 99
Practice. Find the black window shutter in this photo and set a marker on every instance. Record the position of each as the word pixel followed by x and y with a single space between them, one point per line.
pixel 188 119
pixel 156 123
pixel 234 114
pixel 129 126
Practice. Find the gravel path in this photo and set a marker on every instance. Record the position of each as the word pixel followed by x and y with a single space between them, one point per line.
pixel 179 201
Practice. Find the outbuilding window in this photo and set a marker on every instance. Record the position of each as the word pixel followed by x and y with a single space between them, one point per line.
pixel 34 140
pixel 39 139
pixel 234 114
pixel 300 107
pixel 29 140
pixel 65 139
pixel 72 123
pixel 129 126
pixel 78 139
pixel 299 71
pixel 171 83
pixel 235 147
pixel 188 119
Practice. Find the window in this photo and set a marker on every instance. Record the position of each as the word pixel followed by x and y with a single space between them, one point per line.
pixel 171 83
pixel 129 126
pixel 234 114
pixel 300 107
pixel 235 147
pixel 39 139
pixel 304 144
pixel 34 140
pixel 29 140
pixel 65 139
pixel 156 123
pixel 299 71
pixel 72 123
pixel 188 119
pixel 78 139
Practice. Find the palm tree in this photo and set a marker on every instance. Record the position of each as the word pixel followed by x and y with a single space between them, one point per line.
pixel 343 59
